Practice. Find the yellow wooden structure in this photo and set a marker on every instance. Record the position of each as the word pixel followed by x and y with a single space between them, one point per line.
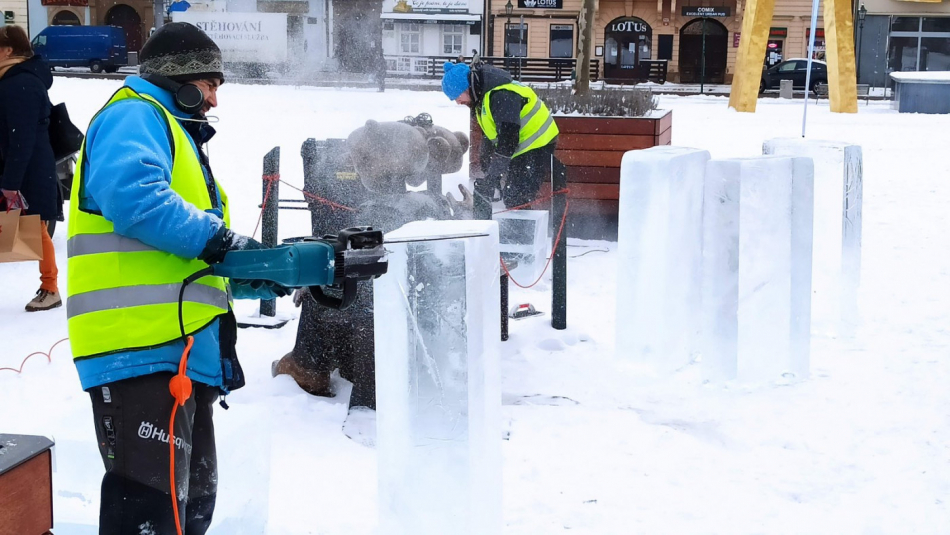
pixel 839 54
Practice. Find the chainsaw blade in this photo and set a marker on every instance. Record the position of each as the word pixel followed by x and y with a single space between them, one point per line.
pixel 434 238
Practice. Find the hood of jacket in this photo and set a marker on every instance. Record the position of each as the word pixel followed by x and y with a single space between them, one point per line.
pixel 487 78
pixel 36 66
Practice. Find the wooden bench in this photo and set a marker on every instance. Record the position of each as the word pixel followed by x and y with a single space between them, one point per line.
pixel 864 90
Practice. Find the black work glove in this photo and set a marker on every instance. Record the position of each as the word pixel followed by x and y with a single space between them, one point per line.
pixel 498 170
pixel 275 289
pixel 223 241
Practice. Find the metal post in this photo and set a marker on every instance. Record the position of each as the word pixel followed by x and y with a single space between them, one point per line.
pixel 504 307
pixel 811 55
pixel 860 45
pixel 269 215
pixel 702 69
pixel 522 42
pixel 559 264
pixel 158 13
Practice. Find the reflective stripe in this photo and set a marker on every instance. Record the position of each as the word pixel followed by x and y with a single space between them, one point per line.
pixel 83 244
pixel 541 131
pixel 133 296
pixel 534 111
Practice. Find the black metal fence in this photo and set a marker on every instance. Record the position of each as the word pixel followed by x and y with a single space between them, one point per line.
pixel 524 69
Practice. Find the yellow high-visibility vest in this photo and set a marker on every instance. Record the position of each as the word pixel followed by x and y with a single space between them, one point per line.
pixel 537 124
pixel 122 293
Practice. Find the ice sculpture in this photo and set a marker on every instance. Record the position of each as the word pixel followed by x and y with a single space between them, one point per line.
pixel 438 388
pixel 757 249
pixel 836 271
pixel 660 241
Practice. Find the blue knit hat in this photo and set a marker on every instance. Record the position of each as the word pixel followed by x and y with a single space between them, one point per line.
pixel 455 79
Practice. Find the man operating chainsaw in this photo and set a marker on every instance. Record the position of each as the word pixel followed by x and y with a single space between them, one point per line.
pixel 520 133
pixel 145 215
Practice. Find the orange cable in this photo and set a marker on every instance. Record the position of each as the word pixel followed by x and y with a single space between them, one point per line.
pixel 180 388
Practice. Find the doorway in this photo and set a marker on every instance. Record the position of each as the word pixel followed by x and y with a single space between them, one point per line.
pixel 66 18
pixel 628 41
pixel 691 52
pixel 128 19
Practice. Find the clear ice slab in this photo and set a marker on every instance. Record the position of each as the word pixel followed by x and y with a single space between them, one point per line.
pixel 660 244
pixel 438 382
pixel 757 251
pixel 839 192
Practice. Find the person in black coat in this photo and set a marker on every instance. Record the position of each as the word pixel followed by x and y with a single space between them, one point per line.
pixel 28 164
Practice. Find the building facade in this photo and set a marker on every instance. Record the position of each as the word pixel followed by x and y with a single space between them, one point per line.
pixel 414 30
pixel 14 12
pixel 902 36
pixel 698 39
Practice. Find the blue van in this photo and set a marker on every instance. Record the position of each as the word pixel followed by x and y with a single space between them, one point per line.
pixel 101 48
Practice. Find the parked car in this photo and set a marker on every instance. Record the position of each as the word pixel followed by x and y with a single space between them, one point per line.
pixel 101 48
pixel 794 70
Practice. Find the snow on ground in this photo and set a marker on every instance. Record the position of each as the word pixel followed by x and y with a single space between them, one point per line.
pixel 861 447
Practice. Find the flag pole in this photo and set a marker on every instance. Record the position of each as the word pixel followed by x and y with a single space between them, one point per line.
pixel 811 54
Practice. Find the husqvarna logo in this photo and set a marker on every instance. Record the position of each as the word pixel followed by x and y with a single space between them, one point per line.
pixel 150 431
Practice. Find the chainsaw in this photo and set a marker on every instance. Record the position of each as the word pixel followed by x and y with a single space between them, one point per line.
pixel 332 262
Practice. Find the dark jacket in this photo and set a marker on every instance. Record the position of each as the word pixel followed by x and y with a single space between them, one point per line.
pixel 28 162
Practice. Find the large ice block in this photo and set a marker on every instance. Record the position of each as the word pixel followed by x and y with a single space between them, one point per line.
pixel 523 242
pixel 836 271
pixel 757 250
pixel 438 382
pixel 660 248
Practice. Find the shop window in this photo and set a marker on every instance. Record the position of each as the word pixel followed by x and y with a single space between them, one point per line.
pixel 902 54
pixel 935 54
pixel 664 47
pixel 452 38
pixel 905 24
pixel 936 24
pixel 410 35
pixel 562 41
pixel 516 40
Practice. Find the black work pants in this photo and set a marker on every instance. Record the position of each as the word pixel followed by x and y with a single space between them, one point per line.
pixel 526 173
pixel 132 418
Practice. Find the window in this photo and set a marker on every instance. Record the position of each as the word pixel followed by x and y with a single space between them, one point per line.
pixel 409 37
pixel 919 44
pixel 452 38
pixel 788 66
pixel 516 40
pixel 562 41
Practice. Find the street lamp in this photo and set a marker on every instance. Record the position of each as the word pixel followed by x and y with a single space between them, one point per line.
pixel 862 14
pixel 508 8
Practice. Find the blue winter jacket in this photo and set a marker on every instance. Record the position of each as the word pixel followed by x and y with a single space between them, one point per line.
pixel 127 179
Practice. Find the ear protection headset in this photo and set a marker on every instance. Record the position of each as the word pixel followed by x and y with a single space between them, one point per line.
pixel 188 97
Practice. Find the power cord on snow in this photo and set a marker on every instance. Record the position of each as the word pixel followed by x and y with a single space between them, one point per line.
pixel 48 355
pixel 181 389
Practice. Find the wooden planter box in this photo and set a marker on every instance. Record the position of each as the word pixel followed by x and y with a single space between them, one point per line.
pixel 592 149
pixel 26 488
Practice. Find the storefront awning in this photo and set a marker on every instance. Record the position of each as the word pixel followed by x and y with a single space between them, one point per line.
pixel 434 18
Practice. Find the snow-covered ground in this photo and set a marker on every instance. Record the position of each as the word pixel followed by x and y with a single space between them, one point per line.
pixel 862 447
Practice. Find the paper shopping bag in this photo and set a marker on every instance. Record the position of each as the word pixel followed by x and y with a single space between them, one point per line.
pixel 21 238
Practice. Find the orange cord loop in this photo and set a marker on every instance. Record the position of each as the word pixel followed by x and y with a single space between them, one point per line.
pixel 180 388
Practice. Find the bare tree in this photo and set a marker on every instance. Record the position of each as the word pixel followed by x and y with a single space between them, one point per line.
pixel 585 30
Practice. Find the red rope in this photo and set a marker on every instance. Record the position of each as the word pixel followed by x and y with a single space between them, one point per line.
pixel 270 179
pixel 48 355
pixel 317 198
pixel 534 202
pixel 557 240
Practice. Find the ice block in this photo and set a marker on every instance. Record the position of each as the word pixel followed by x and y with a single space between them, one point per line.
pixel 757 251
pixel 524 243
pixel 836 271
pixel 438 383
pixel 660 248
